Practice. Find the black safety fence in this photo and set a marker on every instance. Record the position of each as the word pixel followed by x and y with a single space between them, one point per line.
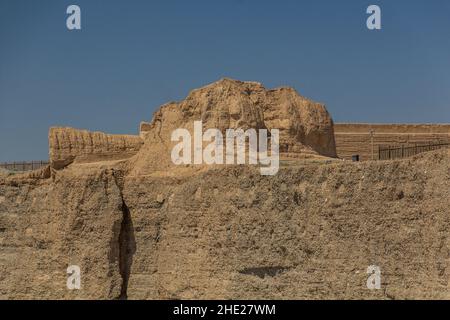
pixel 23 165
pixel 398 152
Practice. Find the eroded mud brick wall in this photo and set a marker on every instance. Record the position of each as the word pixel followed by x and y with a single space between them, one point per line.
pixel 352 139
pixel 67 145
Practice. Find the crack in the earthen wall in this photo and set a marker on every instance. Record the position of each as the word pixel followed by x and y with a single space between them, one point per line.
pixel 127 248
pixel 127 242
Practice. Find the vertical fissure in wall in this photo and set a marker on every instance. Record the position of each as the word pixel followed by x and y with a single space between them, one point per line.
pixel 127 248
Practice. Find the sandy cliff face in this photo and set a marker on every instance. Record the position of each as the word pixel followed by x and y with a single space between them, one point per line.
pixel 47 225
pixel 308 232
pixel 311 231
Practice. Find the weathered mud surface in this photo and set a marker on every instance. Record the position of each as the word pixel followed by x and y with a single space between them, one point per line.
pixel 310 231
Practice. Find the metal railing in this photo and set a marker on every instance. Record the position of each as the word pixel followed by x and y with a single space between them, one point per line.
pixel 390 152
pixel 23 165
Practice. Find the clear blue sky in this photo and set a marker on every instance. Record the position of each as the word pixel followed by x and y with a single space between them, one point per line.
pixel 132 56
